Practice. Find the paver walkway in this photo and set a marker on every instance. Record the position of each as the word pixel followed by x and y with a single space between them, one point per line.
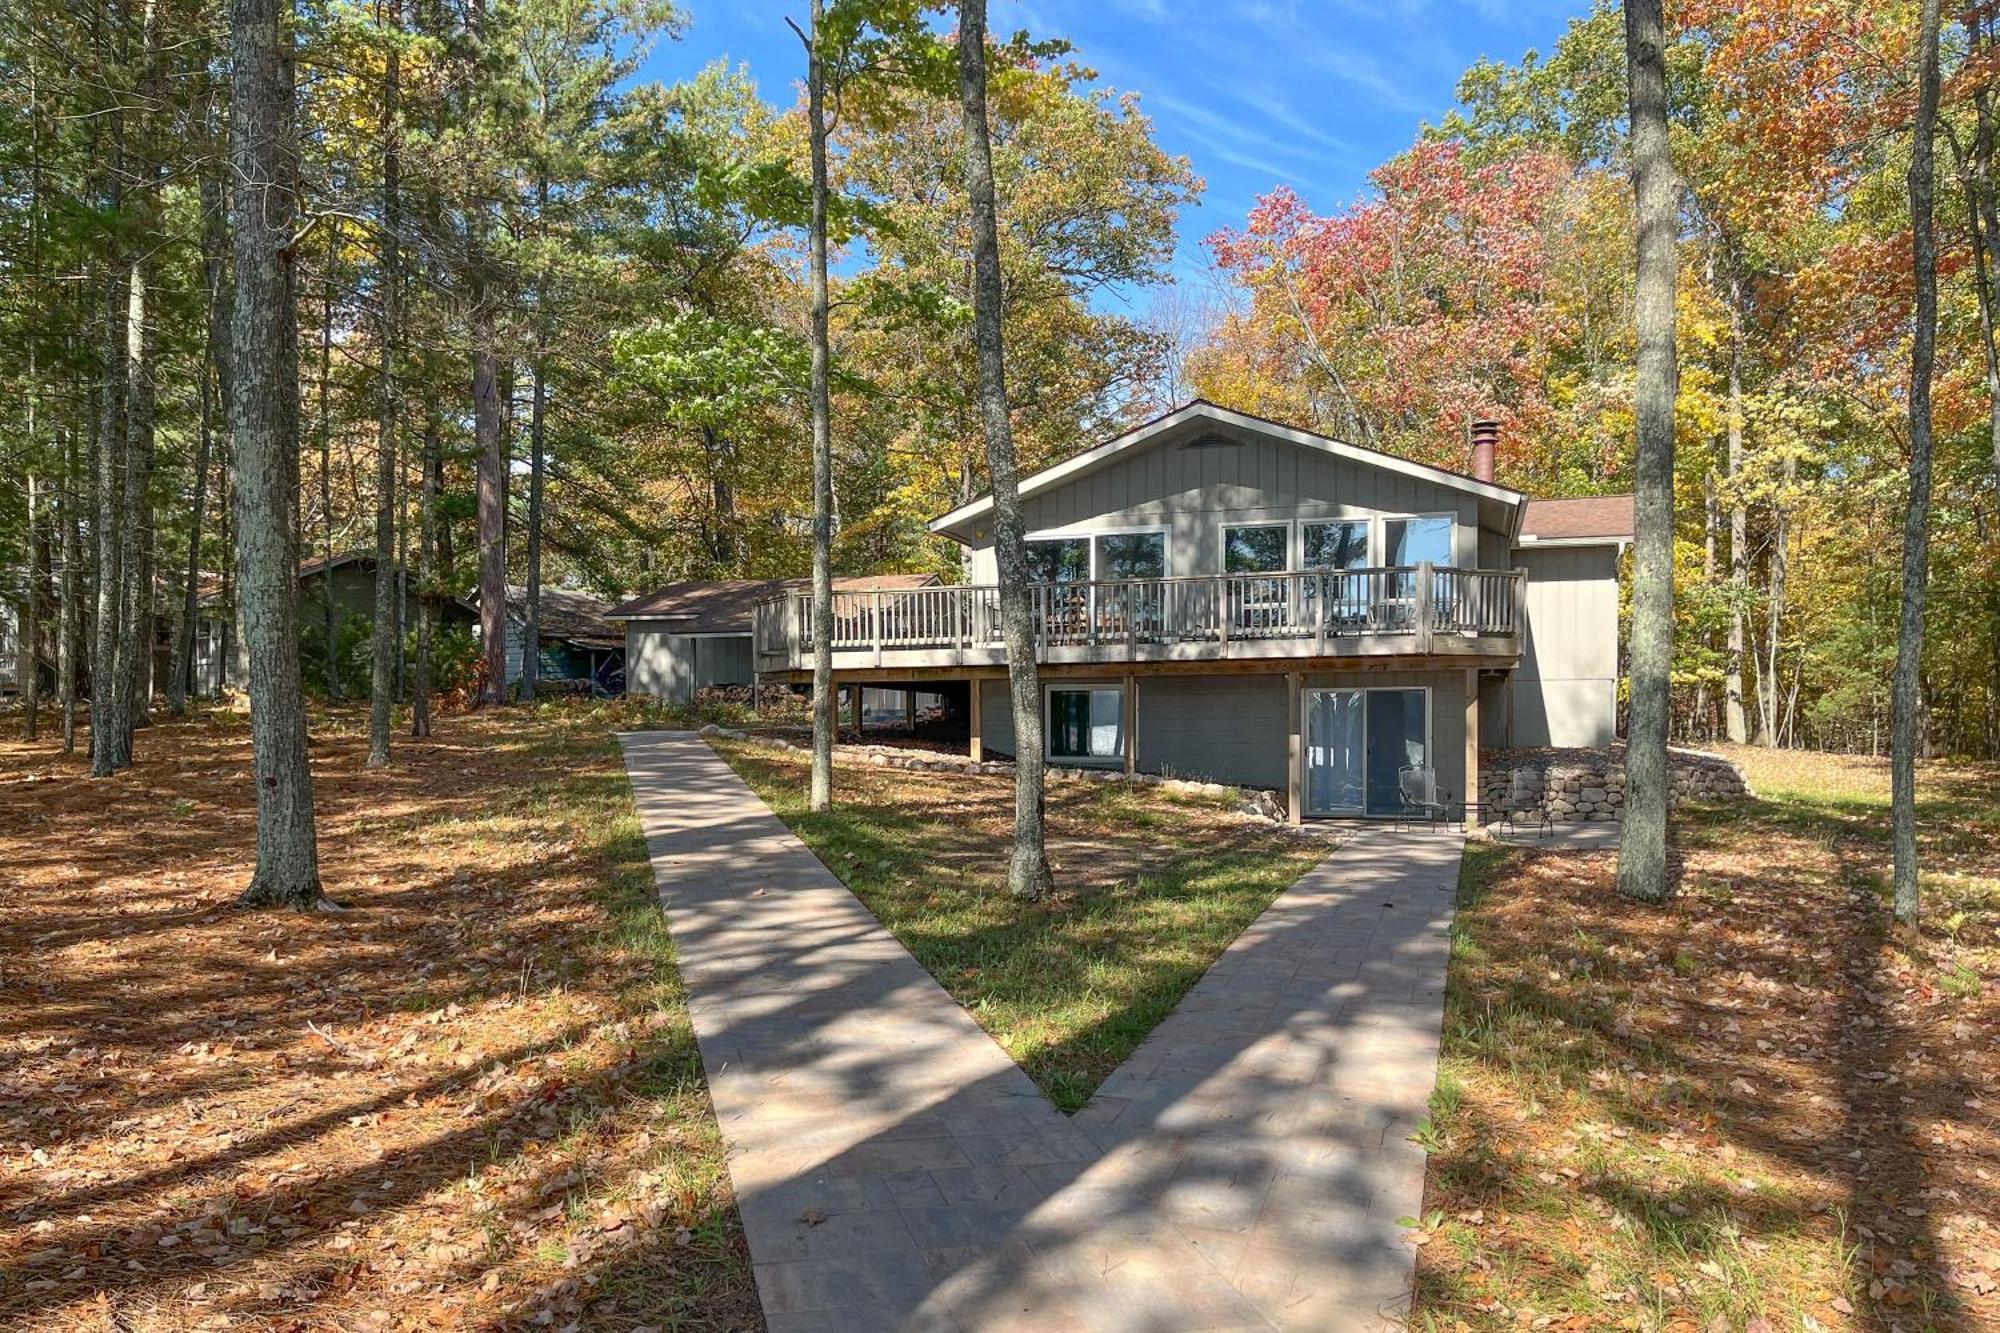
pixel 896 1170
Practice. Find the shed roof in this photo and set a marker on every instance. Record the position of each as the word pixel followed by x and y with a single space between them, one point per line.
pixel 722 606
pixel 1591 518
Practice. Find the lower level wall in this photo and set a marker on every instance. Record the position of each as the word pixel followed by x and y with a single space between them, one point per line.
pixel 1232 728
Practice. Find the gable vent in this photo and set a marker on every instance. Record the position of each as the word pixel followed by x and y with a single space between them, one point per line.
pixel 1213 441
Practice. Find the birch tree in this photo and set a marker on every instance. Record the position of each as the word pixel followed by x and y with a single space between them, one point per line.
pixel 1028 868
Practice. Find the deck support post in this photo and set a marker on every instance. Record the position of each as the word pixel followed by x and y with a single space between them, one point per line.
pixel 910 711
pixel 1472 792
pixel 855 703
pixel 976 746
pixel 1294 748
pixel 1131 725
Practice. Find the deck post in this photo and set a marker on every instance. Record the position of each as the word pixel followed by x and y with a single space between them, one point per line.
pixel 1425 601
pixel 910 710
pixel 976 747
pixel 1131 725
pixel 1472 793
pixel 855 703
pixel 1294 748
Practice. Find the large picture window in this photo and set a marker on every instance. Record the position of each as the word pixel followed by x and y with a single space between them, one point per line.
pixel 1059 560
pixel 1255 548
pixel 1086 723
pixel 1337 545
pixel 1411 541
pixel 1132 555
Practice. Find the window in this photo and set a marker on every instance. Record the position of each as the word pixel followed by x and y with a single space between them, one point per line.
pixel 1058 560
pixel 1255 550
pixel 1132 555
pixel 1411 541
pixel 1087 723
pixel 1340 545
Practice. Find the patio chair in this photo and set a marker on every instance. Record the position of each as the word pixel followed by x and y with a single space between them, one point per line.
pixel 1527 807
pixel 1420 798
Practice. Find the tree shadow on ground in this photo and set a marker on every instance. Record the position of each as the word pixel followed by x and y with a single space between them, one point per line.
pixel 469 1100
pixel 1761 1087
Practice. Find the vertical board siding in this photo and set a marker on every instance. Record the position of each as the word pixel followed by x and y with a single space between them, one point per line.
pixel 1217 728
pixel 1193 487
pixel 1566 689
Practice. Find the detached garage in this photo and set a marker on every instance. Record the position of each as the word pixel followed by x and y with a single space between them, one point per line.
pixel 688 636
pixel 695 635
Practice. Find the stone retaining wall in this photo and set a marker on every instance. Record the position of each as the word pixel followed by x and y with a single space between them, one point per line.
pixel 1590 784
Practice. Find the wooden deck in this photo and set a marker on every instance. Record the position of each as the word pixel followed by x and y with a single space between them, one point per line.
pixel 1470 616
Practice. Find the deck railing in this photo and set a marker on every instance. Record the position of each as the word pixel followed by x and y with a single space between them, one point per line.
pixel 1299 613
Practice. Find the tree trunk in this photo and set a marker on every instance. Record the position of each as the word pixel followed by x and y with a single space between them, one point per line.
pixel 531 620
pixel 1768 697
pixel 109 476
pixel 1734 721
pixel 28 659
pixel 492 497
pixel 264 433
pixel 332 627
pixel 427 546
pixel 214 401
pixel 182 659
pixel 1028 871
pixel 1642 847
pixel 69 627
pixel 387 645
pixel 1916 523
pixel 135 650
pixel 823 702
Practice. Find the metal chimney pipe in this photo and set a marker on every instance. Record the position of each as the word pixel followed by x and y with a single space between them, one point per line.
pixel 1485 440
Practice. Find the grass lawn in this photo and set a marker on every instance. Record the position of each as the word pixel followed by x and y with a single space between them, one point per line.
pixel 1152 886
pixel 1761 1107
pixel 472 1100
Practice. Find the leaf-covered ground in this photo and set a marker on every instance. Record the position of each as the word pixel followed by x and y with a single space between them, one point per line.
pixel 1152 886
pixel 1759 1108
pixel 470 1101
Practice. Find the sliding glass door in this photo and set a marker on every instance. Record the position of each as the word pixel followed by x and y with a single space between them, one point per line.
pixel 1358 746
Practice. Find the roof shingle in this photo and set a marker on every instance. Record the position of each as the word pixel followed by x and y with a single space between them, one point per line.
pixel 1607 516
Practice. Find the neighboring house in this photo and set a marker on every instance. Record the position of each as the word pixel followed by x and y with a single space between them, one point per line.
pixel 1223 596
pixel 348 580
pixel 695 634
pixel 577 643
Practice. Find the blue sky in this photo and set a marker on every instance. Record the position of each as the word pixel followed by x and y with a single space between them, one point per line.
pixel 1310 93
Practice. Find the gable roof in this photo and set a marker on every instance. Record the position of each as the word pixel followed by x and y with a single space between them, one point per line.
pixel 1592 520
pixel 1200 409
pixel 566 613
pixel 722 606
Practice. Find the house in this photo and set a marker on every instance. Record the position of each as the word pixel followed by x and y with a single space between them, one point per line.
pixel 577 644
pixel 695 634
pixel 1222 596
pixel 347 580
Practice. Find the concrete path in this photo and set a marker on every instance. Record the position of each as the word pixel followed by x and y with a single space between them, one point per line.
pixel 896 1170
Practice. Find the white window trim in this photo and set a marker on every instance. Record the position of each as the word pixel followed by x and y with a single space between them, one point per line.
pixel 1369 521
pixel 1294 547
pixel 1382 522
pixel 1305 739
pixel 1089 536
pixel 1049 755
